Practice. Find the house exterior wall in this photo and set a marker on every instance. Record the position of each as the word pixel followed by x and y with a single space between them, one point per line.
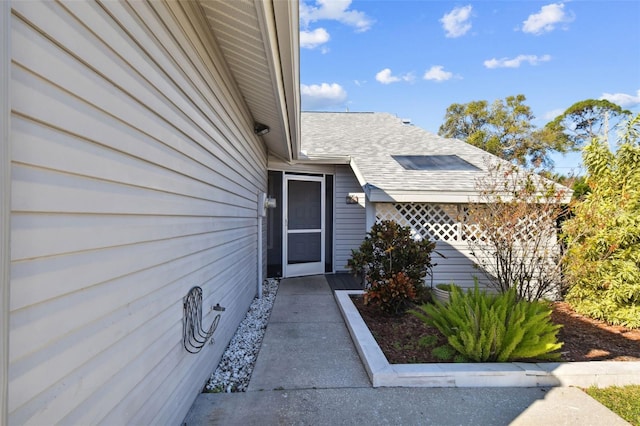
pixel 5 202
pixel 440 223
pixel 350 227
pixel 135 176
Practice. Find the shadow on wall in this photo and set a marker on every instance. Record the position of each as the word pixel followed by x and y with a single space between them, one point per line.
pixel 457 266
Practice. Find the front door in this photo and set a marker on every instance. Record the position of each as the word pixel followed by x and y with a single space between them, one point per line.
pixel 303 225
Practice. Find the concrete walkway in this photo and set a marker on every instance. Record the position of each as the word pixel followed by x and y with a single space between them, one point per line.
pixel 308 373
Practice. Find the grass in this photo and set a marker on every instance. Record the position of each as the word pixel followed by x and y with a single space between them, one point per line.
pixel 443 353
pixel 624 401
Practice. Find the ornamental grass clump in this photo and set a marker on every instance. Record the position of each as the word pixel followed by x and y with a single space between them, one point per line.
pixel 494 328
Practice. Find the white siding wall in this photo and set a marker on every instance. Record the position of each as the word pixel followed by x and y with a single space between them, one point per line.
pixel 5 201
pixel 457 266
pixel 350 228
pixel 441 224
pixel 135 174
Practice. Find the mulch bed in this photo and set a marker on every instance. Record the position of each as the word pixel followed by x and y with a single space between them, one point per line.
pixel 585 339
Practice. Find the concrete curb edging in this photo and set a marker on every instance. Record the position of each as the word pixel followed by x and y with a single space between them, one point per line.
pixel 510 374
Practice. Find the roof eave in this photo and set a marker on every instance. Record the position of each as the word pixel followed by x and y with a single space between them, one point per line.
pixel 378 195
pixel 279 21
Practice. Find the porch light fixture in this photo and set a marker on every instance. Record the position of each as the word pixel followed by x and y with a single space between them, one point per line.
pixel 260 129
pixel 352 199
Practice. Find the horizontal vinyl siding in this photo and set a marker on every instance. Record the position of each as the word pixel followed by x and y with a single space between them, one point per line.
pixel 452 257
pixel 135 176
pixel 456 266
pixel 350 218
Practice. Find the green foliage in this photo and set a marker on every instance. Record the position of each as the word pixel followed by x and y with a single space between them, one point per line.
pixel 602 266
pixel 443 353
pixel 586 119
pixel 393 294
pixel 427 341
pixel 505 129
pixel 580 188
pixel 446 287
pixel 484 327
pixel 394 265
pixel 389 248
pixel 622 400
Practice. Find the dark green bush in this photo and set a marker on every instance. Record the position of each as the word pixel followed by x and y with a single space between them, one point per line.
pixel 484 327
pixel 393 265
pixel 390 248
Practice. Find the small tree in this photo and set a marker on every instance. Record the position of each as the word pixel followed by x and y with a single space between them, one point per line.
pixel 393 265
pixel 511 231
pixel 603 237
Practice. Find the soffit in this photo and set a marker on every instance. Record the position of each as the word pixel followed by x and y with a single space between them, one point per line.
pixel 258 40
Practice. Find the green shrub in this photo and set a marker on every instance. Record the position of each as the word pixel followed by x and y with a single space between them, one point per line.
pixel 602 264
pixel 393 294
pixel 443 353
pixel 427 341
pixel 393 265
pixel 484 327
pixel 446 287
pixel 389 248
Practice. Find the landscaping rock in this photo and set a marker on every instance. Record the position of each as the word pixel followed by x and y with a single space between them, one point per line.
pixel 234 370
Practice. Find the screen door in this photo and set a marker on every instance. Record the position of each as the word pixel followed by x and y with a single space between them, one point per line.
pixel 304 225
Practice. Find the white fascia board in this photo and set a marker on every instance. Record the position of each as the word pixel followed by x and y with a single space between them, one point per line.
pixel 377 195
pixel 322 159
pixel 359 176
pixel 280 21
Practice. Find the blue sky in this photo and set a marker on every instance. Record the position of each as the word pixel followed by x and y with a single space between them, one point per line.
pixel 415 58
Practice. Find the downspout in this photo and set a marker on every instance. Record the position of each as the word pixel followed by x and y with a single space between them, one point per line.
pixel 264 203
pixel 260 216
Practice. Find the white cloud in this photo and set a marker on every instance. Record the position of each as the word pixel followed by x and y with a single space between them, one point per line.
pixel 516 62
pixel 386 77
pixel 550 115
pixel 313 39
pixel 437 73
pixel 456 23
pixel 546 19
pixel 321 96
pixel 623 99
pixel 335 10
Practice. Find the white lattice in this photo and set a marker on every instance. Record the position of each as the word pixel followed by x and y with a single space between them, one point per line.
pixel 452 222
pixel 523 230
pixel 433 221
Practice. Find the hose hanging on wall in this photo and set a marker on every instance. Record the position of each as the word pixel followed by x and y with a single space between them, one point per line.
pixel 194 336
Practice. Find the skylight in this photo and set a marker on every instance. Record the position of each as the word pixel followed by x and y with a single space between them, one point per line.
pixel 434 162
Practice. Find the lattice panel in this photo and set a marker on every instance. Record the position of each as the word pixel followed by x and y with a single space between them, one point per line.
pixel 524 228
pixel 433 221
pixel 469 230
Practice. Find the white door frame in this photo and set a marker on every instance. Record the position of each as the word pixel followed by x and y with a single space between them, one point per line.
pixel 301 269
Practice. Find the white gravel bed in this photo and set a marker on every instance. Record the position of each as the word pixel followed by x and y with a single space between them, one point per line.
pixel 235 367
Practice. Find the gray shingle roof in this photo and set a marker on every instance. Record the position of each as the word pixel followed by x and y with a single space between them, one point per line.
pixel 370 140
